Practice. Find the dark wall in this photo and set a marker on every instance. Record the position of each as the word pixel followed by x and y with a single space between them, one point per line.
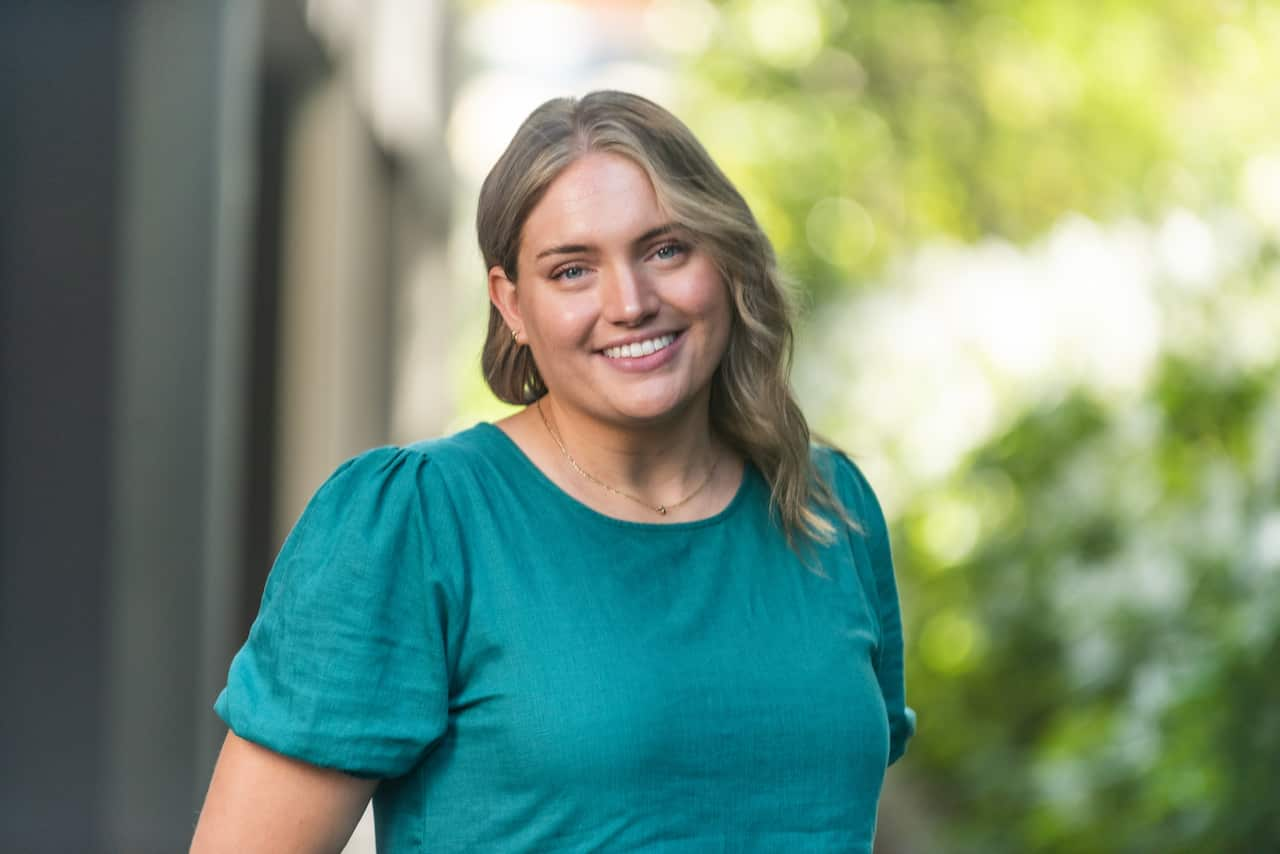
pixel 127 147
pixel 60 97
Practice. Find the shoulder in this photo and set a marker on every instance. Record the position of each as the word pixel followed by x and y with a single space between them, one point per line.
pixel 463 449
pixel 397 463
pixel 847 482
pixel 392 483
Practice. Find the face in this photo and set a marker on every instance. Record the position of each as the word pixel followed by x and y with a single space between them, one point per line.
pixel 626 317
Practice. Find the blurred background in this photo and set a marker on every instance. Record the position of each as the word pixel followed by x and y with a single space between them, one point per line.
pixel 1037 248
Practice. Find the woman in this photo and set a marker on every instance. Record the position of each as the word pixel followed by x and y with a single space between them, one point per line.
pixel 641 614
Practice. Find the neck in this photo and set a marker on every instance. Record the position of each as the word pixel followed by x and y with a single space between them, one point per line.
pixel 660 461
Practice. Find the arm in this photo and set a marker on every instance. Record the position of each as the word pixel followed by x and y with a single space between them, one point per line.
pixel 344 669
pixel 260 800
pixel 889 661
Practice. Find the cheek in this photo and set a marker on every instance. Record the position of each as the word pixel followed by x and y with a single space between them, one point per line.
pixel 564 323
pixel 718 309
pixel 712 301
pixel 703 292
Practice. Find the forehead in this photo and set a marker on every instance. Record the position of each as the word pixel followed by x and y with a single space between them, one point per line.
pixel 600 198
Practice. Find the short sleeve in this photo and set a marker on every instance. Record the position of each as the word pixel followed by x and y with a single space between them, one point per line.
pixel 889 658
pixel 345 665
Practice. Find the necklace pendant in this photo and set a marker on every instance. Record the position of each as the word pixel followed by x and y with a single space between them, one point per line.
pixel 662 509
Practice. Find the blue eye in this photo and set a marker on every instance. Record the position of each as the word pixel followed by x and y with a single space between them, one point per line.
pixel 668 251
pixel 571 272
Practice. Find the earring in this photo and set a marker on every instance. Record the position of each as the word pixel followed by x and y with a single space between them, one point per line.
pixel 515 336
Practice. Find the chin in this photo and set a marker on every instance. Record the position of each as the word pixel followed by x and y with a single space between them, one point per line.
pixel 652 410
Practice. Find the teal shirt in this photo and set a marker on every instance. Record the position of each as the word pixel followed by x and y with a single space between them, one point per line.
pixel 527 674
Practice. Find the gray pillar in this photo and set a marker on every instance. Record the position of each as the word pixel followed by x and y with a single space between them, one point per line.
pixel 58 144
pixel 180 331
pixel 125 176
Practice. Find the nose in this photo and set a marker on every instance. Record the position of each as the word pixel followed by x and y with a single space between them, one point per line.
pixel 628 298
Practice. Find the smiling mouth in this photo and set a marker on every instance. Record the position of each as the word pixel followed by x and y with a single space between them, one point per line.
pixel 640 348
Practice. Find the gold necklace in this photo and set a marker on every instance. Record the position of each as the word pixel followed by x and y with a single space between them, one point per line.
pixel 657 508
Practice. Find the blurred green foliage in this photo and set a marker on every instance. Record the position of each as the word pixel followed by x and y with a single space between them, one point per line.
pixel 1095 674
pixel 859 129
pixel 1092 593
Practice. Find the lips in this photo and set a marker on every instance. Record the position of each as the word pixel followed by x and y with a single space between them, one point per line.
pixel 636 349
pixel 622 360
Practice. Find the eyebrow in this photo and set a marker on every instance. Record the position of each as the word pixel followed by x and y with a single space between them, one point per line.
pixel 575 248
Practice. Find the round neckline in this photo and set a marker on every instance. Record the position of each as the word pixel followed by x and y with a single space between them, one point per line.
pixel 539 476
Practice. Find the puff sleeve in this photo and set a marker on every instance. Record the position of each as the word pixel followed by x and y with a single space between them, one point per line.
pixel 345 666
pixel 889 656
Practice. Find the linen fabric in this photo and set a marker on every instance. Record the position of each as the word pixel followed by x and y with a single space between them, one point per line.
pixel 527 674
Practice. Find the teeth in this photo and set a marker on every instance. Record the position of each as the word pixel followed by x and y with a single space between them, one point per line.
pixel 640 348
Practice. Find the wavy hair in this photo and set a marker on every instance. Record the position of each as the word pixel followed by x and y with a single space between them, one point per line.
pixel 752 405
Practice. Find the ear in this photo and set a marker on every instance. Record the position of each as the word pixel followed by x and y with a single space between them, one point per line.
pixel 502 293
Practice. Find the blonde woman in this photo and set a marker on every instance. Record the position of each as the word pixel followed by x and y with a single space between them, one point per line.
pixel 644 613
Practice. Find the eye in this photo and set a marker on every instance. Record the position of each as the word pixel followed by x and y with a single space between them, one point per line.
pixel 569 273
pixel 667 251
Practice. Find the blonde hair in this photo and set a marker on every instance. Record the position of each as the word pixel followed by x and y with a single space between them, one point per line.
pixel 752 407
